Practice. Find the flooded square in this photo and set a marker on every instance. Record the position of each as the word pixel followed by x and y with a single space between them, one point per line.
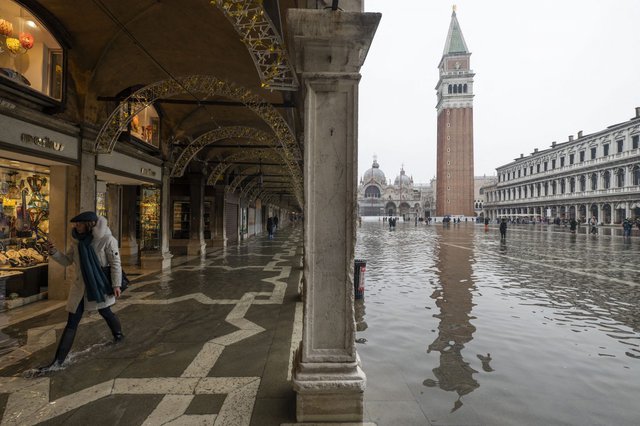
pixel 460 328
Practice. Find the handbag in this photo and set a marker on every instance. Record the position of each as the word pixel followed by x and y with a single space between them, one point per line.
pixel 125 279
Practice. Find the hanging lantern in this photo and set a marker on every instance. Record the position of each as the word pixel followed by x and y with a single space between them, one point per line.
pixel 26 40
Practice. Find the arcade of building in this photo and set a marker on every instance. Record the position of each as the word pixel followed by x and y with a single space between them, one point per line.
pixel 187 126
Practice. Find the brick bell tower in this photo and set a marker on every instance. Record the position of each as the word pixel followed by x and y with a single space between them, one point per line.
pixel 454 186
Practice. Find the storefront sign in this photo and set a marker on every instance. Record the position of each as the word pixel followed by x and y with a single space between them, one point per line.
pixel 147 172
pixel 42 142
pixel 7 104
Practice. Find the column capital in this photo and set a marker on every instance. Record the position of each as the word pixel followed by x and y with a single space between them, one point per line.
pixel 327 41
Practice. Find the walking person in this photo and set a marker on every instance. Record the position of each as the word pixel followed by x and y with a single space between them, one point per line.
pixel 573 225
pixel 486 224
pixel 627 226
pixel 93 248
pixel 270 227
pixel 503 229
pixel 593 223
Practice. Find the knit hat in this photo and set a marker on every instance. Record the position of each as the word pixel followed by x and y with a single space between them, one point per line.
pixel 86 217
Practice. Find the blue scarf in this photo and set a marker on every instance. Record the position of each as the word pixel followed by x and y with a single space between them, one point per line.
pixel 95 281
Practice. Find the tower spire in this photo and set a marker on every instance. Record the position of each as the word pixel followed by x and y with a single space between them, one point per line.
pixel 455 43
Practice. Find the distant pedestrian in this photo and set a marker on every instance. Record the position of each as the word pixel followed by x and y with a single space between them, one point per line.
pixel 503 229
pixel 270 227
pixel 593 224
pixel 573 225
pixel 627 226
pixel 275 224
pixel 486 224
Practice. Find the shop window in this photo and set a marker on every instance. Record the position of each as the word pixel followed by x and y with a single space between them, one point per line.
pixel 144 126
pixel 24 225
pixel 29 54
pixel 150 218
pixel 181 219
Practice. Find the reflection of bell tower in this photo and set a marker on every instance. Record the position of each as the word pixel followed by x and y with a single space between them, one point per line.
pixel 455 329
pixel 454 187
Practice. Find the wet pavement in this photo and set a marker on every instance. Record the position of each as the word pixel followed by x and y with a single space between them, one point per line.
pixel 456 328
pixel 459 328
pixel 208 342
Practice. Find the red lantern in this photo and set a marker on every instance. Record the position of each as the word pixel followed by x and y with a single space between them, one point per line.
pixel 26 40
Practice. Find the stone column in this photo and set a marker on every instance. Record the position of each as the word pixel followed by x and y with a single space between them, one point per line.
pixel 600 218
pixel 63 205
pixel 329 49
pixel 627 210
pixel 129 243
pixel 87 176
pixel 196 245
pixel 218 228
pixel 113 210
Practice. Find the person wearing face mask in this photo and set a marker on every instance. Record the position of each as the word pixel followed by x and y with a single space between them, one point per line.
pixel 92 248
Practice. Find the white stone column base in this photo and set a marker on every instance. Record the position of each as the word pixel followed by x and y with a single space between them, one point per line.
pixel 196 248
pixel 329 392
pixel 155 260
pixel 129 252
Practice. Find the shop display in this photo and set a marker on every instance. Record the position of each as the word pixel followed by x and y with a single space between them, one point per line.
pixel 150 218
pixel 181 219
pixel 24 205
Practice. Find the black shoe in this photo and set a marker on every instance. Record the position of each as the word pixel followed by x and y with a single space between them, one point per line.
pixel 118 338
pixel 55 365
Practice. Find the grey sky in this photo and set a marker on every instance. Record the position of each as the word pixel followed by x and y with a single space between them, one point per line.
pixel 545 69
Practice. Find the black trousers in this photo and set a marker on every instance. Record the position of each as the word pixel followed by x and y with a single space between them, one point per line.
pixel 112 321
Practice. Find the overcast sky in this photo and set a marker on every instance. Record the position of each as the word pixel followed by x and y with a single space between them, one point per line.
pixel 545 69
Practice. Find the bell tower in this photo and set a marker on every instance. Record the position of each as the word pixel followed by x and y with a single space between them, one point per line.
pixel 455 183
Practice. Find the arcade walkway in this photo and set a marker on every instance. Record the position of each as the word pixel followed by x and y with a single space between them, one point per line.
pixel 208 342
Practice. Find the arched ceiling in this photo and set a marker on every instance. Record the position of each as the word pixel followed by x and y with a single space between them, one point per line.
pixel 116 45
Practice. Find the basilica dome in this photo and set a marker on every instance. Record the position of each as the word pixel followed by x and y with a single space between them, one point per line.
pixel 374 174
pixel 403 179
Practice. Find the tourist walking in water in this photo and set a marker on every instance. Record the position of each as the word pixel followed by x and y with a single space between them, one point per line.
pixel 93 248
pixel 627 226
pixel 573 225
pixel 270 227
pixel 593 223
pixel 503 229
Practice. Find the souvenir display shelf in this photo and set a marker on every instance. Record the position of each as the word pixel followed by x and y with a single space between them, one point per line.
pixel 24 226
pixel 150 218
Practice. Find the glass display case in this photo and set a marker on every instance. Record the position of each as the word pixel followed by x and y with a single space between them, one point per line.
pixel 150 218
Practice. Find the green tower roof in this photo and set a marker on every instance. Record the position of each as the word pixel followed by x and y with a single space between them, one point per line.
pixel 455 40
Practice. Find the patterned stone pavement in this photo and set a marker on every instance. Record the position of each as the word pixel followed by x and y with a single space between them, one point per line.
pixel 207 343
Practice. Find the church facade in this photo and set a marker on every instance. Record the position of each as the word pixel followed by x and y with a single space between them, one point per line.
pixel 379 197
pixel 455 189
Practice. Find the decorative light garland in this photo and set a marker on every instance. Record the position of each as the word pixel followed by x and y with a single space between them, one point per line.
pixel 262 40
pixel 120 118
pixel 253 136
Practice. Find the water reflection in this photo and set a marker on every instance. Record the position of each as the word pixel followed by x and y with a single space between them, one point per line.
pixel 455 300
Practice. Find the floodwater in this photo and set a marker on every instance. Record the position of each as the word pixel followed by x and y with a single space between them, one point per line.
pixel 461 328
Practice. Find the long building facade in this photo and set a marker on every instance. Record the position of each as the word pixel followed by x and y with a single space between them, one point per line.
pixel 455 188
pixel 595 175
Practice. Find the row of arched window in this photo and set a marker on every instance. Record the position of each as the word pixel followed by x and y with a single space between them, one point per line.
pixel 457 88
pixel 609 178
